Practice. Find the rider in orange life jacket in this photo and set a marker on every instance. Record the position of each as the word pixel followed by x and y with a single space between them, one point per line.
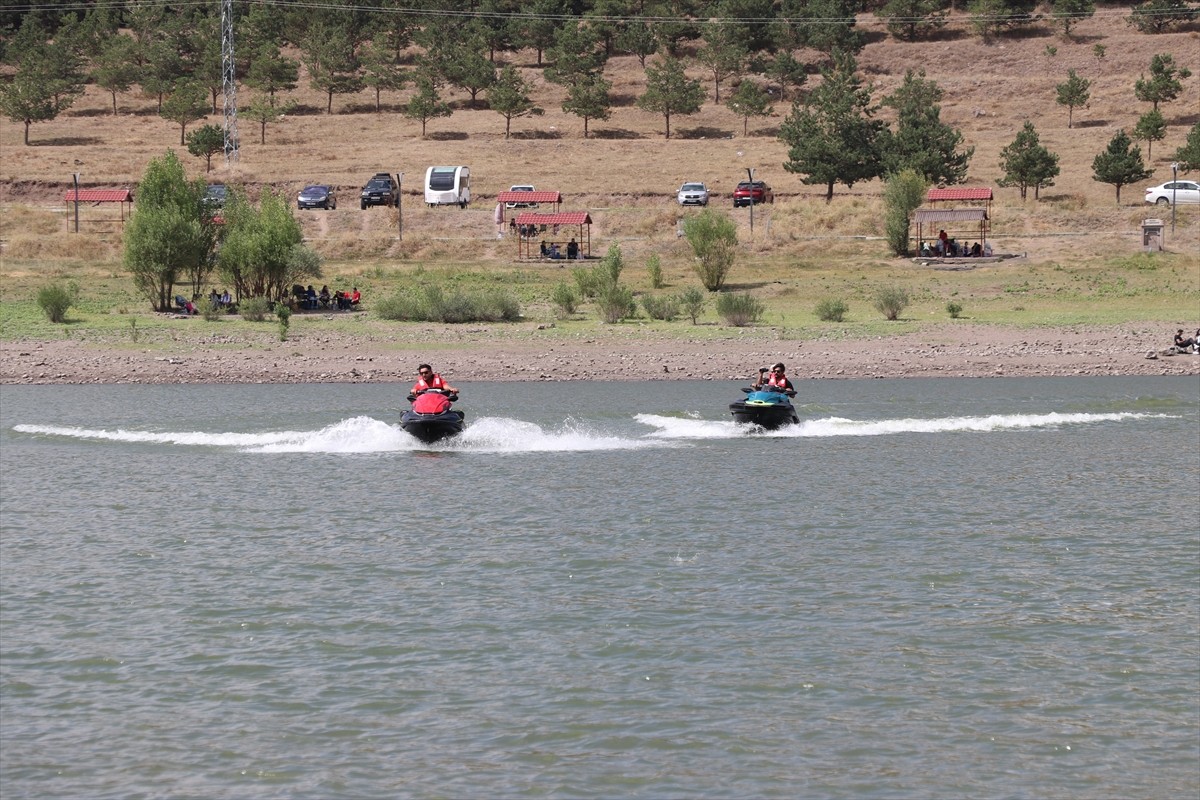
pixel 775 378
pixel 430 380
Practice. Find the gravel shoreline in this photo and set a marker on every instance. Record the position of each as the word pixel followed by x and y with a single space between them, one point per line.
pixel 526 352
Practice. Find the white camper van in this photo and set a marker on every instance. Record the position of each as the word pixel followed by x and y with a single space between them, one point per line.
pixel 448 186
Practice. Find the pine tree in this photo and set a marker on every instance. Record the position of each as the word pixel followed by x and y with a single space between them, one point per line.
pixel 749 100
pixel 509 97
pixel 588 98
pixel 832 137
pixel 1188 156
pixel 185 104
pixel 425 104
pixel 1159 16
pixel 1150 128
pixel 1073 93
pixel 1164 83
pixel 1068 12
pixel 1120 163
pixel 921 141
pixel 911 20
pixel 670 92
pixel 1027 163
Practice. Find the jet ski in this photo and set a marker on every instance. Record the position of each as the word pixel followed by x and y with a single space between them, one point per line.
pixel 766 408
pixel 431 418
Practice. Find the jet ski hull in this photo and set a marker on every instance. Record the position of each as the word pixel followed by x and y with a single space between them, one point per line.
pixel 430 428
pixel 769 417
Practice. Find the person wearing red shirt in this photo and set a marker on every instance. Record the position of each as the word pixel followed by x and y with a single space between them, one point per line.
pixel 428 379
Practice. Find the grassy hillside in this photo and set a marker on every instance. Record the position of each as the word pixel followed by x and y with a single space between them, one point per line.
pixel 1080 246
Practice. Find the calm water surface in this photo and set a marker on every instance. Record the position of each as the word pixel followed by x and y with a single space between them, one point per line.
pixel 929 589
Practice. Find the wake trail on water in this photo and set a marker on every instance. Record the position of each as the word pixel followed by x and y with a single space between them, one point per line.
pixel 368 435
pixel 678 428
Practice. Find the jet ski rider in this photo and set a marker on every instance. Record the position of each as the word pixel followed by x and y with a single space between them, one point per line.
pixel 430 380
pixel 775 379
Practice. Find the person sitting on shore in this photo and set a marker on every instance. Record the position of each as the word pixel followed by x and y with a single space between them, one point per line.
pixel 1186 345
pixel 226 299
pixel 323 297
pixel 572 249
pixel 976 250
pixel 775 379
pixel 355 297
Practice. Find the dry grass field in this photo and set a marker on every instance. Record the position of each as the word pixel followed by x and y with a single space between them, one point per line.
pixel 1077 243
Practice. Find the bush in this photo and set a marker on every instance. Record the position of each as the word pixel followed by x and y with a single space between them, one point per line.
pixel 739 310
pixel 654 268
pixel 588 281
pixel 890 301
pixel 902 194
pixel 255 309
pixel 664 308
pixel 692 300
pixel 713 238
pixel 55 299
pixel 431 304
pixel 832 310
pixel 564 300
pixel 954 309
pixel 615 303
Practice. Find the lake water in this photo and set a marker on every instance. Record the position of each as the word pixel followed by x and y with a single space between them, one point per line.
pixel 929 589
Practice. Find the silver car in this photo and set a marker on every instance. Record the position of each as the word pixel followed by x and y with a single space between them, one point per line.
pixel 692 194
pixel 1174 192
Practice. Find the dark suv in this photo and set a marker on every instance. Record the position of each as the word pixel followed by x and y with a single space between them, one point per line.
pixel 381 190
pixel 752 192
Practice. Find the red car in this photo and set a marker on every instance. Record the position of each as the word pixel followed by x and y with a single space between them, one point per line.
pixel 752 192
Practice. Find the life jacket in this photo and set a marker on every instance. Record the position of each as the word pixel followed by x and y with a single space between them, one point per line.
pixel 431 403
pixel 778 381
pixel 422 385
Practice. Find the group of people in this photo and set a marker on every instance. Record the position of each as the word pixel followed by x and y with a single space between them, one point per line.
pixel 951 248
pixel 312 299
pixel 1188 344
pixel 552 250
pixel 220 301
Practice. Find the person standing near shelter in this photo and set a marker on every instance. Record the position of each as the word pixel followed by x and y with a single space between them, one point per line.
pixel 499 217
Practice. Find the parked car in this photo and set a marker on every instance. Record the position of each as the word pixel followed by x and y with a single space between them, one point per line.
pixel 756 192
pixel 521 188
pixel 317 196
pixel 381 190
pixel 692 194
pixel 1174 192
pixel 214 197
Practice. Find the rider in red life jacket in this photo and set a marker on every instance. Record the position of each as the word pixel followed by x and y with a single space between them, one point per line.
pixel 776 380
pixel 430 380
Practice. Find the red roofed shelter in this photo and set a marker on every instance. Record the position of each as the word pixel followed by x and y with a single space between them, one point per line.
pixel 530 198
pixel 97 196
pixel 525 244
pixel 961 193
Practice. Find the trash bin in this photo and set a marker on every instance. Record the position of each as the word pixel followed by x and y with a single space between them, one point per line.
pixel 1152 235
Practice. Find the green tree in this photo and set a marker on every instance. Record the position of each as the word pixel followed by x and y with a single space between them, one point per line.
pixel 262 254
pixel 902 194
pixel 115 70
pixel 921 141
pixel 1160 16
pixel 713 238
pixel 1120 163
pixel 1027 163
pixel 1150 128
pixel 205 142
pixel 28 98
pixel 832 137
pixel 783 69
pixel 509 97
pixel 1068 12
pixel 1164 83
pixel 825 25
pixel 169 233
pixel 578 51
pixel 270 71
pixel 187 103
pixel 381 72
pixel 426 103
pixel 637 38
pixel 329 53
pixel 670 92
pixel 264 110
pixel 912 20
pixel 990 17
pixel 539 25
pixel 722 55
pixel 1073 93
pixel 466 67
pixel 588 99
pixel 1188 156
pixel 749 100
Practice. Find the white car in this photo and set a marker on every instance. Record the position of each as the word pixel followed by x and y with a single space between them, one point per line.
pixel 1174 192
pixel 692 194
pixel 521 188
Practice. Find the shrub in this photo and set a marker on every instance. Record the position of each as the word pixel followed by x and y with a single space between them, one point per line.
pixel 54 300
pixel 654 268
pixel 713 238
pixel 954 309
pixel 564 300
pixel 890 301
pixel 692 300
pixel 832 310
pixel 902 194
pixel 213 313
pixel 615 303
pixel 664 308
pixel 739 310
pixel 587 279
pixel 431 304
pixel 255 309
